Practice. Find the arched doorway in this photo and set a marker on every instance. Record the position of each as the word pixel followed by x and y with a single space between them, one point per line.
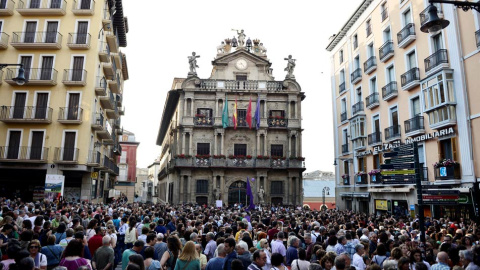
pixel 237 193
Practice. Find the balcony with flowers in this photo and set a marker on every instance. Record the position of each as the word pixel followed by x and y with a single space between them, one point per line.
pixel 202 160
pixel 447 169
pixel 346 179
pixel 278 162
pixel 183 160
pixel 202 120
pixel 277 122
pixel 240 161
pixel 361 178
pixel 375 176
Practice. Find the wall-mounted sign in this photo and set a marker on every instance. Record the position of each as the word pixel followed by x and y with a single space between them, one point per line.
pixel 381 205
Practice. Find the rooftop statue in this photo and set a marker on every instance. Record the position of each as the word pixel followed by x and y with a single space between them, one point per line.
pixel 221 48
pixel 192 60
pixel 241 37
pixel 290 67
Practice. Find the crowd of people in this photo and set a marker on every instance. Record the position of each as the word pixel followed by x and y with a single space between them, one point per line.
pixel 74 235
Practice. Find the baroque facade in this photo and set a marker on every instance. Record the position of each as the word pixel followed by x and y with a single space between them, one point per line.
pixel 203 160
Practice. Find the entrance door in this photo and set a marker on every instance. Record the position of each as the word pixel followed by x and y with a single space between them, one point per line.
pixel 19 105
pixel 77 71
pixel 36 147
pixel 82 33
pixel 69 146
pixel 47 68
pixel 52 29
pixel 14 144
pixel 277 201
pixel 73 104
pixel 237 193
pixel 41 106
pixel 30 30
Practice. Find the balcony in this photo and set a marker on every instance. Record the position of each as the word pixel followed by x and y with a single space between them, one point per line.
pixel 35 76
pixel 442 116
pixel 375 138
pixel 356 76
pixel 357 108
pixel 115 84
pixel 240 162
pixel 112 41
pixel 372 101
pixel 101 86
pixel 448 173
pixel 37 40
pixel 410 79
pixel 361 179
pixel 205 121
pixel 477 38
pixel 393 133
pixel 241 85
pixel 23 154
pixel 107 20
pixel 104 52
pixel 109 70
pixel 346 179
pixel 121 111
pixel 75 77
pixel 386 51
pixel 296 164
pixel 94 158
pixel 98 122
pixel 359 143
pixel 278 163
pixel 241 122
pixel 343 117
pixel 389 91
pixel 6 7
pixel 66 155
pixel 345 148
pixel 112 113
pixel 4 40
pixel 48 8
pixel 376 178
pixel 414 126
pixel 118 58
pixel 79 41
pixel 406 35
pixel 28 114
pixel 341 87
pixel 119 99
pixel 107 102
pixel 117 149
pixel 70 115
pixel 277 122
pixel 436 62
pixel 384 14
pixel 424 17
pixel 202 162
pixel 370 65
pixel 83 7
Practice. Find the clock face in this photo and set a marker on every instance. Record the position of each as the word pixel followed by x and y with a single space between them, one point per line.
pixel 241 64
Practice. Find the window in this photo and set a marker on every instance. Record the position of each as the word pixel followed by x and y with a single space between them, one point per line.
pixel 370 50
pixel 438 91
pixel 36 145
pixel 30 32
pixel 341 56
pixel 20 99
pixel 202 186
pixel 242 114
pixel 277 114
pixel 390 74
pixel 387 34
pixel 407 17
pixel 447 149
pixel 276 150
pixel 47 68
pixel 355 41
pixel 356 62
pixel 101 188
pixel 203 149
pixel 359 94
pixel 362 164
pixel 201 112
pixel 345 136
pixel 77 68
pixel 94 188
pixel 415 106
pixel 342 76
pixel 14 141
pixel 344 105
pixel 240 150
pixel 437 42
pixel 276 188
pixel 377 160
pixel 345 167
pixel 373 85
pixel 368 27
pixel 394 116
pixel 384 10
pixel 82 33
pixel 357 127
pixel 241 77
pixel 52 32
pixel 69 151
pixel 376 123
pixel 411 60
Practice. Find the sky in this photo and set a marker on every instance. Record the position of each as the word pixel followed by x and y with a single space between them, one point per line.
pixel 162 34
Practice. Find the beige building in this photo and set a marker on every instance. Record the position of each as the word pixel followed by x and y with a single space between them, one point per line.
pixel 201 161
pixel 65 120
pixel 392 83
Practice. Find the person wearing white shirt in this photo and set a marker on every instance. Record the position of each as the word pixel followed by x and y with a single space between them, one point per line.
pixel 357 261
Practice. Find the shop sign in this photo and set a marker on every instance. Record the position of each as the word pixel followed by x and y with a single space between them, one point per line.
pixel 381 205
pixel 412 207
pixel 464 199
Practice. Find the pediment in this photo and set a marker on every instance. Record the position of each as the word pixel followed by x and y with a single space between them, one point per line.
pixel 224 60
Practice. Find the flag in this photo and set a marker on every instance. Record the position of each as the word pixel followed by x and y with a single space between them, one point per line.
pixel 251 205
pixel 249 114
pixel 234 118
pixel 225 114
pixel 257 115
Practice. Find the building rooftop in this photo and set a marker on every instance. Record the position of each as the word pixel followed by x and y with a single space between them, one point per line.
pixel 313 188
pixel 319 175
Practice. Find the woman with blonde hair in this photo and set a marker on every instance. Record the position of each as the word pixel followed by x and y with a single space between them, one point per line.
pixel 188 260
pixel 263 245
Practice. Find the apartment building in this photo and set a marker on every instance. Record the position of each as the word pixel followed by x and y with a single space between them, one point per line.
pixel 127 165
pixel 66 119
pixel 393 84
pixel 205 157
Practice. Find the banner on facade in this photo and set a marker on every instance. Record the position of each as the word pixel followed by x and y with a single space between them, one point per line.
pixel 54 184
pixel 381 205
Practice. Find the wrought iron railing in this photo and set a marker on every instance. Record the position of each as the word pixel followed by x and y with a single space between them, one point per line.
pixel 414 124
pixel 406 31
pixel 26 113
pixel 34 74
pixel 203 121
pixel 38 4
pixel 356 74
pixel 241 85
pixel 343 116
pixel 370 63
pixel 375 138
pixel 23 153
pixel 410 76
pixel 392 132
pixel 37 37
pixel 477 37
pixel 384 14
pixel 70 114
pixel 277 122
pixel 344 148
pixel 436 59
pixel 341 87
pixel 372 99
pixel 389 90
pixel 74 75
pixel 78 39
pixel 66 154
pixel 357 107
pixel 386 49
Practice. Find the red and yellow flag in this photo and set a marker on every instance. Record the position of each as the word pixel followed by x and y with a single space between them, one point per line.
pixel 235 115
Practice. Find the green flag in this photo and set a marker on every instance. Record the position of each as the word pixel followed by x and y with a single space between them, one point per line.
pixel 225 114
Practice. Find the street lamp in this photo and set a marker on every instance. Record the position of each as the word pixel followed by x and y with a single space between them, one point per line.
pixel 20 79
pixel 325 190
pixel 434 23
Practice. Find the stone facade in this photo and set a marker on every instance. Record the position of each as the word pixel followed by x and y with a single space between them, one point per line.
pixel 202 161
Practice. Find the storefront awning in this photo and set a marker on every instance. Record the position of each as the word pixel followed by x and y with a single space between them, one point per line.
pixel 386 189
pixel 355 194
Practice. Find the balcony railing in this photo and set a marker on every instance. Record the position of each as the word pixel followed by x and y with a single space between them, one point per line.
pixel 104 52
pixel 341 87
pixel 241 122
pixel 83 7
pixel 369 30
pixel 370 65
pixel 241 85
pixel 406 35
pixel 66 155
pixel 448 173
pixel 386 51
pixel 98 121
pixel 343 116
pixel 23 154
pixel 78 40
pixel 38 7
pixel 70 115
pixel 372 100
pixel 27 114
pixel 274 122
pixel 376 178
pixel 3 40
pixel 108 102
pixel 357 107
pixel 94 157
pixel 477 38
pixel 35 76
pixel 375 138
pixel 101 86
pixel 389 91
pixel 410 78
pixel 393 132
pixel 203 121
pixel 438 58
pixel 344 148
pixel 37 40
pixel 384 14
pixel 346 180
pixel 356 75
pixel 6 7
pixel 414 125
pixel 424 16
pixel 75 77
pixel 361 179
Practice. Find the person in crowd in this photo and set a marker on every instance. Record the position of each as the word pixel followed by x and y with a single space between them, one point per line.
pixel 264 246
pixel 243 254
pixel 327 262
pixel 52 251
pixel 380 255
pixel 259 259
pixel 72 257
pixel 357 260
pixel 169 258
pixel 136 249
pixel 160 247
pixel 292 252
pixel 131 234
pixel 201 257
pixel 150 262
pixel 218 261
pixel 467 260
pixel 302 262
pixel 415 257
pixel 277 262
pixel 12 251
pixel 278 246
pixel 404 263
pixel 96 241
pixel 136 259
pixel 104 256
pixel 211 245
pixel 39 259
pixel 188 259
pixel 442 264
pixel 230 246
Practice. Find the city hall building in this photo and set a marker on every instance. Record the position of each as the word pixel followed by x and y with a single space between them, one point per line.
pixel 394 84
pixel 205 158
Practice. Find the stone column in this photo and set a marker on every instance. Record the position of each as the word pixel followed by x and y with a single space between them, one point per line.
pixel 214 143
pixel 222 147
pixel 216 107
pixel 258 145
pixel 257 189
pixel 180 189
pixel 287 191
pixel 289 145
pixel 192 189
pixel 189 190
pixel 183 143
pixel 223 193
pixel 265 109
pixel 211 187
pixel 191 144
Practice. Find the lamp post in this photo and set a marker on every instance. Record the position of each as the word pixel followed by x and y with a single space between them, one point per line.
pixel 325 190
pixel 20 79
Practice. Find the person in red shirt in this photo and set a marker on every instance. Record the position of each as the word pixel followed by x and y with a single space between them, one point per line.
pixel 272 232
pixel 96 241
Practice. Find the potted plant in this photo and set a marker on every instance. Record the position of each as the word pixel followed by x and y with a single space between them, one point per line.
pixel 218 156
pixel 262 157
pixel 447 169
pixel 374 175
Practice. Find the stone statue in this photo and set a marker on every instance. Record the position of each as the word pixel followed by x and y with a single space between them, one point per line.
pixel 234 42
pixel 192 60
pixel 221 48
pixel 249 43
pixel 261 195
pixel 217 194
pixel 262 48
pixel 290 67
pixel 241 37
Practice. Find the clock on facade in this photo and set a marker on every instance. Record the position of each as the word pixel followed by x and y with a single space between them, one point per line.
pixel 241 64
